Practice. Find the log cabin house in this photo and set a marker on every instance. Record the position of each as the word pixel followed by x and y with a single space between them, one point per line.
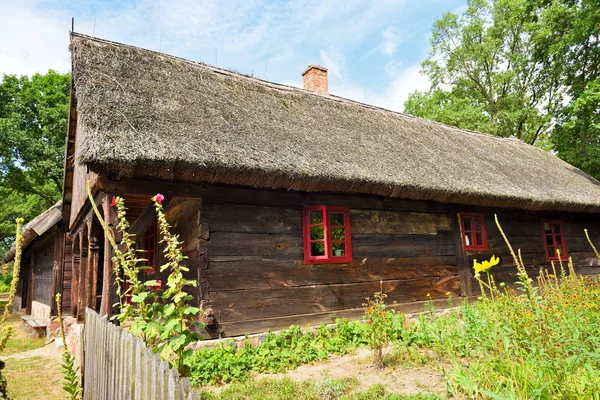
pixel 295 204
pixel 40 260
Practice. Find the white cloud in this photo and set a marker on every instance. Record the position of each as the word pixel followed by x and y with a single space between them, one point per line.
pixel 331 65
pixel 391 38
pixel 286 37
pixel 406 81
pixel 32 40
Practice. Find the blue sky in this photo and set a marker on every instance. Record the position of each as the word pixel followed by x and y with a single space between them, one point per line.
pixel 372 48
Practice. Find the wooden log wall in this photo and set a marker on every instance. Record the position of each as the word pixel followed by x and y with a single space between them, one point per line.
pixel 245 249
pixel 249 262
pixel 67 276
pixel 42 269
pixel 524 231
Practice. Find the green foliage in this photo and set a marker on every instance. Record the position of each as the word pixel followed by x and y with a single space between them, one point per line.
pixel 380 326
pixel 577 137
pixel 162 318
pixel 177 316
pixel 510 67
pixel 278 353
pixel 323 389
pixel 71 376
pixel 485 74
pixel 569 42
pixel 33 125
pixel 71 381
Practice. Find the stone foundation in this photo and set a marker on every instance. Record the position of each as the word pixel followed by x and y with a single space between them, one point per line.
pixel 40 312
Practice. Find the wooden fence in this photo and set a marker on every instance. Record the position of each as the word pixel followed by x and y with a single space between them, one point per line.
pixel 118 366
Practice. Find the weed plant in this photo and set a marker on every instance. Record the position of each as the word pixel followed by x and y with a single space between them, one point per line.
pixel 278 353
pixel 528 342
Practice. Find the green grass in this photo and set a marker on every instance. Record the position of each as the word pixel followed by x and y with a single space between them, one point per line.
pixel 323 389
pixel 34 378
pixel 20 341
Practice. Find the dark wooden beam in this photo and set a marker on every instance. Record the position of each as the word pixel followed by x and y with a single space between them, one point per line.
pixel 145 220
pixel 105 303
pixel 57 267
pixel 462 262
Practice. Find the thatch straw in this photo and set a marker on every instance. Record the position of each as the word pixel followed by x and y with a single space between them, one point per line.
pixel 145 114
pixel 36 227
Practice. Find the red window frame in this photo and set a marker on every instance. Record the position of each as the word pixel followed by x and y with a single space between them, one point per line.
pixel 328 257
pixel 149 247
pixel 555 237
pixel 472 217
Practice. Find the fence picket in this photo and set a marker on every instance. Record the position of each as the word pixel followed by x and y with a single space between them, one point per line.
pixel 118 365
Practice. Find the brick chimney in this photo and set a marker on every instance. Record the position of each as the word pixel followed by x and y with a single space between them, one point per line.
pixel 315 79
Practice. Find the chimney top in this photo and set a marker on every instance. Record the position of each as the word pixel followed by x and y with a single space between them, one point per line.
pixel 315 79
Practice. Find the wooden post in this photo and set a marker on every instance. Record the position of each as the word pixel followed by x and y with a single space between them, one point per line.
pixel 94 262
pixel 83 263
pixel 464 271
pixel 105 304
pixel 57 266
pixel 75 272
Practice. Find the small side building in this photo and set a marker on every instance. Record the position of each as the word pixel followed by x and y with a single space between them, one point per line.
pixel 40 267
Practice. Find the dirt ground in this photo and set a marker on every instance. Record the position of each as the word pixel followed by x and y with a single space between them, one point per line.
pixel 400 379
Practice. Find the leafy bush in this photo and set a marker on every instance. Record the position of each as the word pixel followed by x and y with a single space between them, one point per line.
pixel 278 353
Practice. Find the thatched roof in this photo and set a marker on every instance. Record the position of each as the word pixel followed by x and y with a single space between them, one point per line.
pixel 146 114
pixel 37 227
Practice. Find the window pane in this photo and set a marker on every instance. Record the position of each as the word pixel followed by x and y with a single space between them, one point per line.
pixel 316 217
pixel 338 234
pixel 478 239
pixel 467 223
pixel 551 252
pixel 558 239
pixel 547 228
pixel 556 228
pixel 317 232
pixel 468 239
pixel 339 249
pixel 336 219
pixel 549 240
pixel 317 248
pixel 477 223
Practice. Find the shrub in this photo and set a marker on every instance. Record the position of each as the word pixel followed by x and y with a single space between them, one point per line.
pixel 278 352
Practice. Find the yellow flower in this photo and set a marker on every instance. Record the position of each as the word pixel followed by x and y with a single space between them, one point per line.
pixel 485 265
pixel 428 295
pixel 448 293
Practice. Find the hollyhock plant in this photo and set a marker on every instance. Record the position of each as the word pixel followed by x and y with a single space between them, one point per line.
pixel 159 198
pixel 113 202
pixel 157 286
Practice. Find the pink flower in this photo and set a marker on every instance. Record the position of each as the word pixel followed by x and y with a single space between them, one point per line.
pixel 113 202
pixel 159 198
pixel 157 286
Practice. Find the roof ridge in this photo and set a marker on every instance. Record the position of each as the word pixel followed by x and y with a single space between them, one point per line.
pixel 281 86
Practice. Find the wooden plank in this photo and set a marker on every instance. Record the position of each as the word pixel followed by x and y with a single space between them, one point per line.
pixel 245 218
pixel 266 197
pixel 137 371
pixel 314 319
pixel 398 222
pixel 281 274
pixel 462 263
pixel 236 305
pixel 58 267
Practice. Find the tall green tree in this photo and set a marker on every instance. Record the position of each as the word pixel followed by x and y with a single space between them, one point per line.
pixel 33 126
pixel 569 40
pixel 517 68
